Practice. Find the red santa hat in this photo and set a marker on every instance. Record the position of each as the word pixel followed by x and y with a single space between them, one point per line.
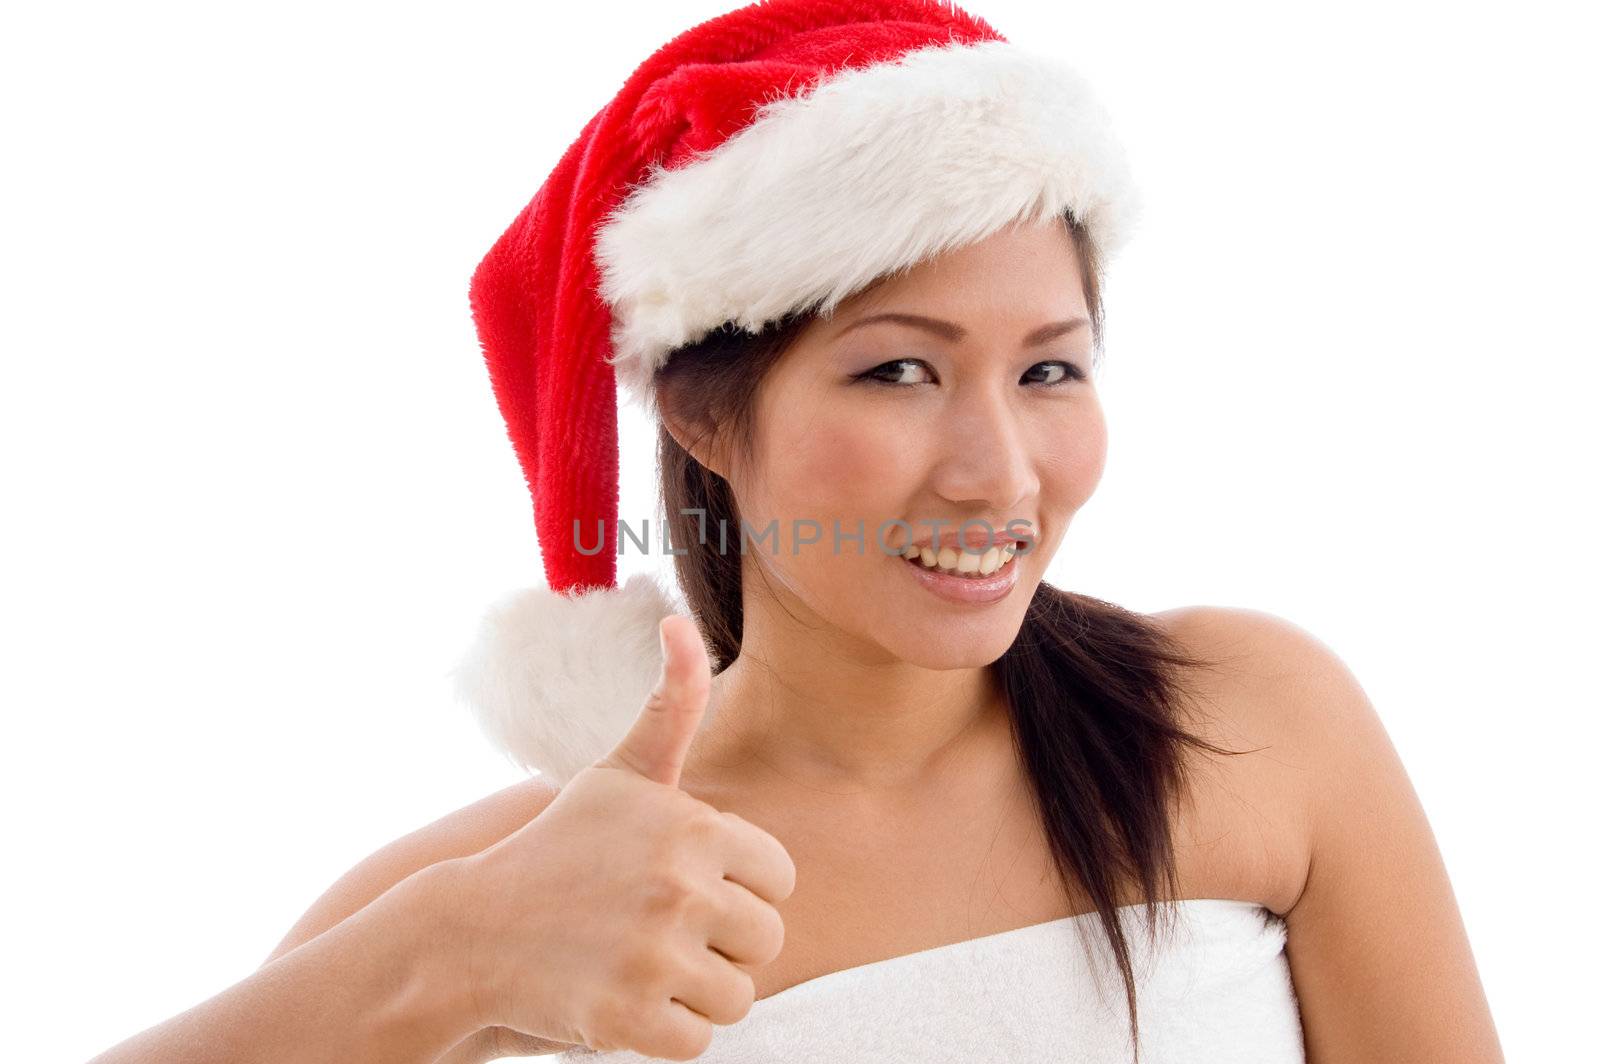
pixel 777 158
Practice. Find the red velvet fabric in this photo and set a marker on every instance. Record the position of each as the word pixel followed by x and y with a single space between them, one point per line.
pixel 544 330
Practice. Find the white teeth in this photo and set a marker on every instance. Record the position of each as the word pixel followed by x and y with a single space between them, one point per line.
pixel 964 562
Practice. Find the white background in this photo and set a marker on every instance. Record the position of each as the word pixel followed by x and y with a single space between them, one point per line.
pixel 257 492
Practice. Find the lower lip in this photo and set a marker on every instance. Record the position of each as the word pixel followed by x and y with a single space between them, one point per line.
pixel 967 590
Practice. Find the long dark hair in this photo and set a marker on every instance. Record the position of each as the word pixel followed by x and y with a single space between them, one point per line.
pixel 1094 689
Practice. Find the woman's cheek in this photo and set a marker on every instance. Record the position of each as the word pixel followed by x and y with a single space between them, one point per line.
pixel 841 463
pixel 1073 459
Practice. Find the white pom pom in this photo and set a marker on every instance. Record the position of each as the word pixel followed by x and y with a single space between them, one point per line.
pixel 557 680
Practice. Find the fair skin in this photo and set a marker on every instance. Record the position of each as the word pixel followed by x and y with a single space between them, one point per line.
pixel 860 728
pixel 852 677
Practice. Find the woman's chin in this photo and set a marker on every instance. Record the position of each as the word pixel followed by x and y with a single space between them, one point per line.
pixel 962 656
pixel 932 639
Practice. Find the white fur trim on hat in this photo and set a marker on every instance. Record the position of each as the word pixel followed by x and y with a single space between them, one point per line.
pixel 872 171
pixel 556 681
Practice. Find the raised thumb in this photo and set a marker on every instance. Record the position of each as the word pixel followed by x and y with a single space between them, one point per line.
pixel 658 743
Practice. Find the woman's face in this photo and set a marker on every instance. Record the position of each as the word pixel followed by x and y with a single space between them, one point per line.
pixel 991 417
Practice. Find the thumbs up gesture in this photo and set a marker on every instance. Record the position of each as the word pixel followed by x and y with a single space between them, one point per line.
pixel 627 914
pixel 657 744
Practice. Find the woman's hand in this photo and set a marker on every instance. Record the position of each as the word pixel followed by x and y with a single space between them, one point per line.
pixel 626 915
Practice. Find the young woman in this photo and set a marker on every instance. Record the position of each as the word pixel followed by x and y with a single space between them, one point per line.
pixel 890 797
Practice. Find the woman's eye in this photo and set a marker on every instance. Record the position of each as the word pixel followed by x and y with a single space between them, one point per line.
pixel 889 371
pixel 1057 372
pixel 904 372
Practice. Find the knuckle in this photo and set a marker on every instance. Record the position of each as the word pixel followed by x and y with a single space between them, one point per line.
pixel 669 895
pixel 787 869
pixel 772 934
pixel 657 700
pixel 704 825
pixel 729 996
pixel 639 974
pixel 692 827
pixel 743 995
pixel 691 1043
pixel 630 761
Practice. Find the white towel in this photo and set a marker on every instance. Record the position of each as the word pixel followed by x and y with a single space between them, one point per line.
pixel 1216 989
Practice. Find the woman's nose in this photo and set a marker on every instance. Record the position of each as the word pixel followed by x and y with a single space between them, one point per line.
pixel 986 454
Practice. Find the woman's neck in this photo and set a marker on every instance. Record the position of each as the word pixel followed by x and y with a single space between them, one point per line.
pixel 845 726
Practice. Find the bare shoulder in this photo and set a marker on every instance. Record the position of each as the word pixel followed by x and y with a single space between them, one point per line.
pixel 1379 956
pixel 1251 825
pixel 460 833
pixel 1257 649
pixel 492 817
pixel 1269 679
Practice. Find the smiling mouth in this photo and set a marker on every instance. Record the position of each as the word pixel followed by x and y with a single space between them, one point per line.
pixel 962 563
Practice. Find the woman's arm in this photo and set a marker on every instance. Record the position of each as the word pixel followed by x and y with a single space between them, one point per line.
pixel 251 1003
pixel 1377 950
pixel 386 986
pixel 461 833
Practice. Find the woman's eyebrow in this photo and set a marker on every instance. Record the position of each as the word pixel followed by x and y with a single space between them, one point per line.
pixel 949 330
